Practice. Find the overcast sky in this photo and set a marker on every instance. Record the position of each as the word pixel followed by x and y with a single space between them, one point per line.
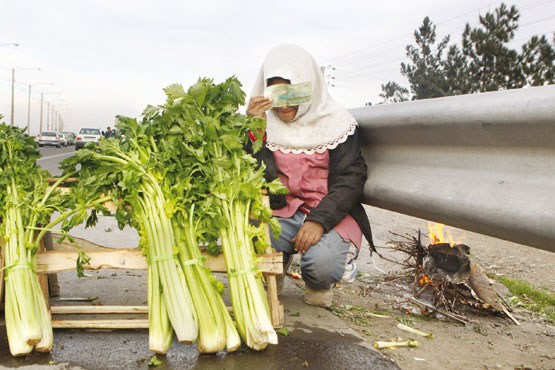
pixel 110 57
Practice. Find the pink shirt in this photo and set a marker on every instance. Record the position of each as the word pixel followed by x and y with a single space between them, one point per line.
pixel 306 177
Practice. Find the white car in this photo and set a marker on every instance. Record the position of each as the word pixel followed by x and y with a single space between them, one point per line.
pixel 87 135
pixel 50 138
pixel 63 139
pixel 70 136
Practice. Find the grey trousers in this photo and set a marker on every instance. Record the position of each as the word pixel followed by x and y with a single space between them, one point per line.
pixel 324 263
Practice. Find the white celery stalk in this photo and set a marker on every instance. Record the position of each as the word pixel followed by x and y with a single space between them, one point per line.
pixel 408 343
pixel 414 331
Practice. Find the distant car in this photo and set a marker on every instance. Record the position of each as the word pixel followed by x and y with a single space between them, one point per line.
pixel 87 135
pixel 50 138
pixel 70 136
pixel 63 139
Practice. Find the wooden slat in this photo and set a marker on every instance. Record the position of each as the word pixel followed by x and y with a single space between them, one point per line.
pixel 132 259
pixel 271 264
pixel 58 261
pixel 101 324
pixel 276 308
pixel 67 310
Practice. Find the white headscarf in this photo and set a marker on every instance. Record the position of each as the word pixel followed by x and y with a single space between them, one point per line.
pixel 319 125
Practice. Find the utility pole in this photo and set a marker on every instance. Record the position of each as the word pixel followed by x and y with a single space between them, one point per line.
pixel 13 92
pixel 29 111
pixel 13 83
pixel 48 116
pixel 29 105
pixel 41 101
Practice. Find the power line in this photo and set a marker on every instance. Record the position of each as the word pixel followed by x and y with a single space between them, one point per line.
pixel 362 53
pixel 537 21
pixel 388 42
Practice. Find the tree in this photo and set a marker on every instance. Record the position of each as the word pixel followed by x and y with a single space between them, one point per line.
pixel 456 72
pixel 392 92
pixel 425 74
pixel 538 61
pixel 484 62
pixel 492 65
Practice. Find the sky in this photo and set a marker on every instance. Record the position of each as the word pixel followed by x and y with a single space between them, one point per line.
pixel 103 58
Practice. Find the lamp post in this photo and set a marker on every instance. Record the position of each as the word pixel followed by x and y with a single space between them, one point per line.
pixel 10 44
pixel 55 115
pixel 13 85
pixel 60 119
pixel 29 104
pixel 47 116
pixel 41 105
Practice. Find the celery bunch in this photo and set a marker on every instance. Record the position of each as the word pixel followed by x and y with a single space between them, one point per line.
pixel 26 206
pixel 232 180
pixel 181 177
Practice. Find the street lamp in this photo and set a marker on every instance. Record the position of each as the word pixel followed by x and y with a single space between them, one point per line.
pixel 13 85
pixel 10 44
pixel 29 104
pixel 60 119
pixel 41 105
pixel 55 114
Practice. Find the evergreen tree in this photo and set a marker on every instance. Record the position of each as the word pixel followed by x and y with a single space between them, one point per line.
pixel 484 62
pixel 392 92
pixel 425 74
pixel 538 61
pixel 456 72
pixel 492 65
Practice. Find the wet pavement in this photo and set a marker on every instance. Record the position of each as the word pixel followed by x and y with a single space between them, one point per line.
pixel 317 339
pixel 128 349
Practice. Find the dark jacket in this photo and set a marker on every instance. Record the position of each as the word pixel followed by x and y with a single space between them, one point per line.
pixel 346 178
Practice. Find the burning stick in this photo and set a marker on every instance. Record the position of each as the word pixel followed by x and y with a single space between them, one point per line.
pixel 408 343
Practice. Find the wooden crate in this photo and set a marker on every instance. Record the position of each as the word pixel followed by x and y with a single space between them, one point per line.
pixel 54 261
pixel 270 264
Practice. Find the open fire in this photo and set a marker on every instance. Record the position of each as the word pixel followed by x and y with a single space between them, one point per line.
pixel 445 278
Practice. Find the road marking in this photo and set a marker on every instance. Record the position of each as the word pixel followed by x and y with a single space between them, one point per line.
pixel 54 156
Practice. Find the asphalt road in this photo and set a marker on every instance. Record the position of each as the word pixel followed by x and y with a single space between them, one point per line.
pixel 51 157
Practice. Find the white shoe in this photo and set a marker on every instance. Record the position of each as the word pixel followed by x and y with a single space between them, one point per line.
pixel 350 273
pixel 316 297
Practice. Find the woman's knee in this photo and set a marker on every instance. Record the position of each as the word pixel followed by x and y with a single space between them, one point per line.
pixel 321 269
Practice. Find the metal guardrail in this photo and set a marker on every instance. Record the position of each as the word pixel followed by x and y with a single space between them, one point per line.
pixel 483 162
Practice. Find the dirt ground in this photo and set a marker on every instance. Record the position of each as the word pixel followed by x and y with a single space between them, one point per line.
pixel 485 342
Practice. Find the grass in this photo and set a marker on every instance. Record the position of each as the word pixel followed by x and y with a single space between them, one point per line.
pixel 531 298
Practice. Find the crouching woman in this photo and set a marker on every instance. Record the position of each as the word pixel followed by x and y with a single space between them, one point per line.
pixel 314 148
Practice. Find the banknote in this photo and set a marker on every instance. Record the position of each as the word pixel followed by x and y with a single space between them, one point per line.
pixel 289 95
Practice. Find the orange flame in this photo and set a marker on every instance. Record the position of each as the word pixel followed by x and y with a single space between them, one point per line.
pixel 436 235
pixel 424 280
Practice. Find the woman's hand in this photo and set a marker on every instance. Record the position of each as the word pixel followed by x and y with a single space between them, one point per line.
pixel 258 106
pixel 308 235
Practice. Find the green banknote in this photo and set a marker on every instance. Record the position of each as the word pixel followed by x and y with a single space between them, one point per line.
pixel 289 95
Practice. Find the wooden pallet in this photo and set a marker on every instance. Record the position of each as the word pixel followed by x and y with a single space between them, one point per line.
pixel 54 261
pixel 48 262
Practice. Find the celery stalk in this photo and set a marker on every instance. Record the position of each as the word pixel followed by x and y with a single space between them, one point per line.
pixel 250 305
pixel 160 330
pixel 414 331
